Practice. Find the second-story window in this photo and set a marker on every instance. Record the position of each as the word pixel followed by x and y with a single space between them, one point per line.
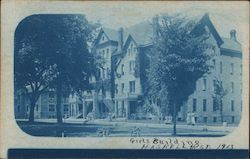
pixel 103 53
pixel 116 88
pixel 221 67
pixel 122 88
pixel 122 69
pixel 103 73
pixel 232 87
pixel 51 95
pixel 214 85
pixel 107 53
pixel 204 86
pixel 131 66
pixel 231 68
pixel 132 86
pixel 214 64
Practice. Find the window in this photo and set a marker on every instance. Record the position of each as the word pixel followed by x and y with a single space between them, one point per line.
pixel 194 104
pixel 204 105
pixel 107 53
pixel 214 64
pixel 135 50
pixel 51 94
pixel 37 107
pixel 131 66
pixel 103 38
pixel 232 105
pixel 214 105
pixel 65 95
pixel 232 87
pixel 221 67
pixel 241 106
pixel 240 69
pixel 122 88
pixel 221 105
pixel 132 86
pixel 51 108
pixel 18 108
pixel 103 53
pixel 232 69
pixel 204 84
pixel 65 107
pixel 214 85
pixel 215 119
pixel 240 87
pixel 122 69
pixel 232 119
pixel 129 54
pixel 108 72
pixel 103 73
pixel 116 88
pixel 205 119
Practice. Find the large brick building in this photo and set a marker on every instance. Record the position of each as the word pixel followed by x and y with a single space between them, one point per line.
pixel 121 50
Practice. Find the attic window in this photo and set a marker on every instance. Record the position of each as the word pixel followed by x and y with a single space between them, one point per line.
pixel 103 38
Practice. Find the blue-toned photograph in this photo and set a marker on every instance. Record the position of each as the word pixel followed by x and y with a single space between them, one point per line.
pixel 169 75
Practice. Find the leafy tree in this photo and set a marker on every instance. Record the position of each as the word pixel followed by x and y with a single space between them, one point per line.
pixel 179 58
pixel 219 93
pixel 60 44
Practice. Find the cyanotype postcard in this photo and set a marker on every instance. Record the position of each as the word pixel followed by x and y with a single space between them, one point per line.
pixel 123 75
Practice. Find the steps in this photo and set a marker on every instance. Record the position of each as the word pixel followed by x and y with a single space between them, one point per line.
pixel 109 104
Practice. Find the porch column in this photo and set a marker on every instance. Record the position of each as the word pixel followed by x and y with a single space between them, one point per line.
pixel 116 109
pixel 95 105
pixel 84 111
pixel 127 109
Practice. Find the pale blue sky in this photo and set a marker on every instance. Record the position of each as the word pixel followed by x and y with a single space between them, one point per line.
pixel 224 15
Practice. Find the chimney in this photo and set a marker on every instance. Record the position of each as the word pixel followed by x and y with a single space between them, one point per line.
pixel 120 39
pixel 233 34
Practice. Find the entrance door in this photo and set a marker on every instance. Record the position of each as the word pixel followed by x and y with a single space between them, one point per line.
pixel 132 106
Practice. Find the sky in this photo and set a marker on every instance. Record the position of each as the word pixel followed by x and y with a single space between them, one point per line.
pixel 225 16
pixel 115 14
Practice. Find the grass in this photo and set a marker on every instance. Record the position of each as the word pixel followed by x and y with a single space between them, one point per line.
pixel 90 130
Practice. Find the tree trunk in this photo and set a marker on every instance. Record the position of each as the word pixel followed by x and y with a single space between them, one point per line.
pixel 221 115
pixel 59 102
pixel 32 109
pixel 174 120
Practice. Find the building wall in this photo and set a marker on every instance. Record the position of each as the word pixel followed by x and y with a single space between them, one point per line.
pixel 222 71
pixel 124 95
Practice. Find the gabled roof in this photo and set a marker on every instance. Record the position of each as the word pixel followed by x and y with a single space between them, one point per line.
pixel 130 38
pixel 142 33
pixel 231 44
pixel 111 33
pixel 205 21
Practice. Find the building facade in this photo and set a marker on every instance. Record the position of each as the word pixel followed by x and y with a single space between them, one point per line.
pixel 121 80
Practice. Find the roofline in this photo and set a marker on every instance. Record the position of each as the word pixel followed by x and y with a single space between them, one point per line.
pixel 230 50
pixel 206 20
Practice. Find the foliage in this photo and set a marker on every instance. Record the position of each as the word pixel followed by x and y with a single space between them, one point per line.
pixel 219 93
pixel 179 58
pixel 52 51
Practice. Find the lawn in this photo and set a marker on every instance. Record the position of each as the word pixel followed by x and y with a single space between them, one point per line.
pixel 114 130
